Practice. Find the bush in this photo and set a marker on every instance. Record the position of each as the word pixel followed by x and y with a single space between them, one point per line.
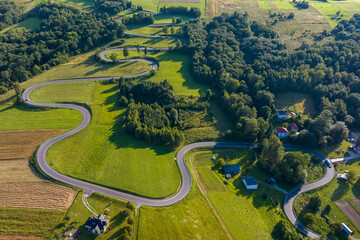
pixel 130 206
pixel 309 219
pixel 107 211
pixel 123 101
pixel 127 212
pixel 3 90
pixel 130 221
pixel 128 228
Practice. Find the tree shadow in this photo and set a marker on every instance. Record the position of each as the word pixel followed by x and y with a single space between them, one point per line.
pixel 341 190
pixel 116 221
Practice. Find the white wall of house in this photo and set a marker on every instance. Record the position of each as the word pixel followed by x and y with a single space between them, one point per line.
pixel 250 187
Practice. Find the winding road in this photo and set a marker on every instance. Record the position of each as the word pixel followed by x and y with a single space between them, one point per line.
pixel 180 158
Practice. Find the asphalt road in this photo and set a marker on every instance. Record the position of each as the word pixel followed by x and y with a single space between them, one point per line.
pixel 180 158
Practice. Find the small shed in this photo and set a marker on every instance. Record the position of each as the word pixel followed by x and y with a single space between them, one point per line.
pixel 346 229
pixel 231 169
pixel 250 183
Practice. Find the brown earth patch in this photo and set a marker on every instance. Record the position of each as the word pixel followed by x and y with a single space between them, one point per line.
pixel 38 194
pixel 182 1
pixel 18 237
pixel 22 143
pixel 349 211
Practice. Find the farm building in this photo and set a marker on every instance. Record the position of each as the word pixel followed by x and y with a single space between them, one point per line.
pixel 346 229
pixel 293 126
pixel 283 114
pixel 281 132
pixel 97 225
pixel 231 169
pixel 250 183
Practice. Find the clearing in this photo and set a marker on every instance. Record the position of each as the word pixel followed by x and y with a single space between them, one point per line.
pixel 352 214
pixel 295 101
pixel 21 143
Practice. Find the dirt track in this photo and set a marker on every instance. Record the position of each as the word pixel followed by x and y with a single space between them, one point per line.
pixel 350 212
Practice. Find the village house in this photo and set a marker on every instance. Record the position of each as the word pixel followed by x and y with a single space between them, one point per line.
pixel 231 169
pixel 283 114
pixel 281 132
pixel 97 225
pixel 293 126
pixel 250 183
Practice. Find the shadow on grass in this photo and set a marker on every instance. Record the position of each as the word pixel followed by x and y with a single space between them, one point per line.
pixel 116 221
pixel 341 190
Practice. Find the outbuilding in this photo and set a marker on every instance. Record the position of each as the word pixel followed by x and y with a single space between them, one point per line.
pixel 346 229
pixel 250 183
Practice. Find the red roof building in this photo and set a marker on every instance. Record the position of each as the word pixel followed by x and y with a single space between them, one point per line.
pixel 293 126
pixel 281 132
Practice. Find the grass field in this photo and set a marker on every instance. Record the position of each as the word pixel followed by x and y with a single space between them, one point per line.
pixel 295 101
pixel 118 156
pixel 22 143
pixel 24 221
pixel 23 118
pixel 28 24
pixel 82 3
pixel 264 5
pixel 150 30
pixel 335 191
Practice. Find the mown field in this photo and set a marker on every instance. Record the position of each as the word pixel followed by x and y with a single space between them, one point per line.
pixel 297 102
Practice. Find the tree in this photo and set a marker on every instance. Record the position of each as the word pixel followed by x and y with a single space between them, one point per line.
pixel 220 163
pixel 309 219
pixel 172 30
pixel 123 101
pixel 138 49
pixel 174 116
pixel 3 90
pixel 273 151
pixel 145 50
pixel 130 206
pixel 314 203
pixel 165 29
pixel 178 44
pixel 126 52
pixel 351 176
pixel 113 57
pixel 130 220
pixel 107 211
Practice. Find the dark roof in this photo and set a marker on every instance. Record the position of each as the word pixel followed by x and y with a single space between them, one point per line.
pixel 294 126
pixel 250 181
pixel 231 168
pixel 282 130
pixel 98 223
pixel 283 112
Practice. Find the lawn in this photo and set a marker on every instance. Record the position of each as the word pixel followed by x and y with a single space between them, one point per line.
pixel 264 5
pixel 29 24
pixel 121 161
pixel 334 151
pixel 35 222
pixel 81 3
pixel 23 117
pixel 329 212
pixel 235 205
pixel 295 101
pixel 284 5
pixel 161 18
pixel 78 214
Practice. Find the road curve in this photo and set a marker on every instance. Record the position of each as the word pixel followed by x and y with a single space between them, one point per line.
pixel 290 197
pixel 180 158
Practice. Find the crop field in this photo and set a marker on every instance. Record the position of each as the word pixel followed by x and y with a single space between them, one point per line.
pixel 16 171
pixel 18 237
pixel 21 143
pixel 336 190
pixel 23 221
pixel 298 102
pixel 25 118
pixel 39 194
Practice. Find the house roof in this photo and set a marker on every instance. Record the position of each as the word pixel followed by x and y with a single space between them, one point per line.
pixel 97 223
pixel 282 130
pixel 293 126
pixel 250 181
pixel 231 168
pixel 283 112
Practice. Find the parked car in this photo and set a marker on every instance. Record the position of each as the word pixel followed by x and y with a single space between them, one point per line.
pixel 327 163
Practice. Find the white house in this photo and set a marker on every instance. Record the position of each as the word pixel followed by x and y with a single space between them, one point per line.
pixel 250 183
pixel 283 114
pixel 281 132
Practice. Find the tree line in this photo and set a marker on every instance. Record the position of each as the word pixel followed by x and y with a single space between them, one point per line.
pixel 10 13
pixel 192 12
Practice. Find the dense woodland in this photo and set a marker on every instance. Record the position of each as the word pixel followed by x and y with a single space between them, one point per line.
pixel 192 12
pixel 64 32
pixel 246 61
pixel 112 7
pixel 10 13
pixel 139 18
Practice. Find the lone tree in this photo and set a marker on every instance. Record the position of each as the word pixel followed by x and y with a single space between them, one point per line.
pixel 314 203
pixel 126 52
pixel 220 163
pixel 145 50
pixel 113 57
pixel 172 30
pixel 178 44
pixel 138 49
pixel 165 29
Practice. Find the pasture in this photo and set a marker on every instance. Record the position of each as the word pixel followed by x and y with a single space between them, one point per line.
pixel 150 30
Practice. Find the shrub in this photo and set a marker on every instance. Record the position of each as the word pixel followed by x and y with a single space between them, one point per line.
pixel 314 203
pixel 130 221
pixel 309 219
pixel 130 206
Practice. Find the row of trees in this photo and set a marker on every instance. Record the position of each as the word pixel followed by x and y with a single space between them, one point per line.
pixel 112 7
pixel 192 12
pixel 139 18
pixel 65 31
